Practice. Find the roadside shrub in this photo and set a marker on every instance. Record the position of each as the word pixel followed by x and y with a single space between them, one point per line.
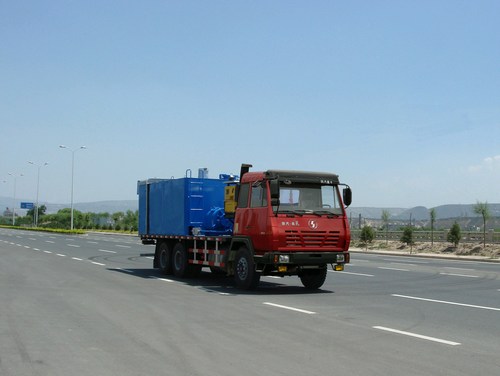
pixel 455 234
pixel 407 237
pixel 367 235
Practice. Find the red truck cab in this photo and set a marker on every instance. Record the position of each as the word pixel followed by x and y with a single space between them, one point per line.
pixel 290 223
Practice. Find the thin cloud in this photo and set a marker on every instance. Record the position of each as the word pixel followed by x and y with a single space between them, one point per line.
pixel 488 164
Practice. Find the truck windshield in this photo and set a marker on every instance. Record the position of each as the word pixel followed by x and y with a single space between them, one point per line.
pixel 303 199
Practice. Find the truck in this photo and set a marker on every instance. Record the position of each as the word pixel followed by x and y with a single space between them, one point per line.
pixel 267 223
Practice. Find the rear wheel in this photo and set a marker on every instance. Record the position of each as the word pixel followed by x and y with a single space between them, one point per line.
pixel 313 279
pixel 179 260
pixel 245 275
pixel 164 258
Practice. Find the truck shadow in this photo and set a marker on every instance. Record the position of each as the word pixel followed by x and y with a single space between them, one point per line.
pixel 219 284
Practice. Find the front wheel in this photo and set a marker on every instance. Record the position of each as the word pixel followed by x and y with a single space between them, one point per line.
pixel 313 279
pixel 245 275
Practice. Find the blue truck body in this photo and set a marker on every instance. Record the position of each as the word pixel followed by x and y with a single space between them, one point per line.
pixel 182 207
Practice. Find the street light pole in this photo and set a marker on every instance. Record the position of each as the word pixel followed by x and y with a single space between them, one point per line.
pixel 72 174
pixel 37 189
pixel 14 205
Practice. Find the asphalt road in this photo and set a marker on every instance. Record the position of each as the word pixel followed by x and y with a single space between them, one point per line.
pixel 90 305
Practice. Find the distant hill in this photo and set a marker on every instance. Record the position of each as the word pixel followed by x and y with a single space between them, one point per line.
pixel 373 213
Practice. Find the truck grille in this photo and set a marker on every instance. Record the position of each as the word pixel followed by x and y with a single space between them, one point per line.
pixel 316 239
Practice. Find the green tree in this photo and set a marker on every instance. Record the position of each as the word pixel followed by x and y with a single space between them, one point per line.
pixel 87 220
pixel 41 211
pixel 482 209
pixel 130 221
pixel 407 237
pixel 367 235
pixel 117 218
pixel 385 220
pixel 455 234
pixel 102 219
pixel 432 214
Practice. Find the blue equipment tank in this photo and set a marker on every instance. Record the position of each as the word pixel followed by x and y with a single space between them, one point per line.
pixel 185 206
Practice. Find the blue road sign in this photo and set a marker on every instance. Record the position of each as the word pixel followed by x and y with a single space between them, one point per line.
pixel 27 205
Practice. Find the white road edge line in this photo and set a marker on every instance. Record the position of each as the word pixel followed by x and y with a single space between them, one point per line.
pixel 124 270
pixel 162 279
pixel 460 275
pixel 361 274
pixel 397 269
pixel 412 261
pixel 451 343
pixel 165 280
pixel 402 263
pixel 290 308
pixel 445 302
pixel 451 267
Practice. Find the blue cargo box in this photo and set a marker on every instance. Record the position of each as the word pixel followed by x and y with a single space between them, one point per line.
pixel 175 206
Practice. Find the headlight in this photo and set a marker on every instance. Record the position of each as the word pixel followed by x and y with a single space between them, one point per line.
pixel 284 259
pixel 340 258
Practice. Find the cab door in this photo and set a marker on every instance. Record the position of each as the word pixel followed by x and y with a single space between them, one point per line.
pixel 252 214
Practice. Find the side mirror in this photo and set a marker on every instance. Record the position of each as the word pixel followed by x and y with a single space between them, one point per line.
pixel 274 188
pixel 347 196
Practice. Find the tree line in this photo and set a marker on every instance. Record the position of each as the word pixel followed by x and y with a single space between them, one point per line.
pixel 119 221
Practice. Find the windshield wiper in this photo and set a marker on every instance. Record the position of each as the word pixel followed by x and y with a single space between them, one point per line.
pixel 327 212
pixel 288 212
pixel 300 212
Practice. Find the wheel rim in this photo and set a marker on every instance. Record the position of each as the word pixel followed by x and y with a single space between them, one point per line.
pixel 178 260
pixel 242 269
pixel 163 258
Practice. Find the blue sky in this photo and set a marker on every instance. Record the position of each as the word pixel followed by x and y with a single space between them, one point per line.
pixel 400 98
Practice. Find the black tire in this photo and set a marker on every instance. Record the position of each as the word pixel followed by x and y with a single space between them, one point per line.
pixel 164 258
pixel 180 260
pixel 245 275
pixel 313 279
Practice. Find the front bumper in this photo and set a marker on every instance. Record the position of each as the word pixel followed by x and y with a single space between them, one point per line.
pixel 304 258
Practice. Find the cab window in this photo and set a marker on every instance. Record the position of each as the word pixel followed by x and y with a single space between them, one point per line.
pixel 259 195
pixel 243 195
